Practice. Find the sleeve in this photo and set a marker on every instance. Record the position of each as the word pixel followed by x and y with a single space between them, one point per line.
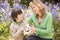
pixel 13 32
pixel 48 27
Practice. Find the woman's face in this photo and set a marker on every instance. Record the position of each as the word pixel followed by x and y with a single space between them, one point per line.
pixel 35 9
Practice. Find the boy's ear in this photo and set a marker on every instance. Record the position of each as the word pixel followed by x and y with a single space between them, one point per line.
pixel 15 18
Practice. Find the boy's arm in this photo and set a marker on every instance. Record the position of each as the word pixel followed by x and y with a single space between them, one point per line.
pixel 15 33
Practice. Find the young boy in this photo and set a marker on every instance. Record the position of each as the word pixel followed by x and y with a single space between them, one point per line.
pixel 17 25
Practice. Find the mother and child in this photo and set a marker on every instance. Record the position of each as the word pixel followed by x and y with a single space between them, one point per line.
pixel 38 27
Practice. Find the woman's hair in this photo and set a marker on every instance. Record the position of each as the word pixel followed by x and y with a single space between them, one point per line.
pixel 15 13
pixel 40 6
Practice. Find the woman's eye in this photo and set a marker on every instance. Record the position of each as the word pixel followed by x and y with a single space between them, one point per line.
pixel 33 7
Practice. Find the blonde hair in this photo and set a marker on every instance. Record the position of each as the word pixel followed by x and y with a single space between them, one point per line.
pixel 40 5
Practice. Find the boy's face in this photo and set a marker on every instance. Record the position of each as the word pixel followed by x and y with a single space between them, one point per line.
pixel 19 17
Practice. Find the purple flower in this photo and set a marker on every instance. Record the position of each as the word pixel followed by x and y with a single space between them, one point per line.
pixel 17 6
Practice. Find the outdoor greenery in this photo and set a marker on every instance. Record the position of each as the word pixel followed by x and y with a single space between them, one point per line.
pixel 56 26
pixel 5 30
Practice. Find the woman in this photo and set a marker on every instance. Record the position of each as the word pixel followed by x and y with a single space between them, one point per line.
pixel 42 20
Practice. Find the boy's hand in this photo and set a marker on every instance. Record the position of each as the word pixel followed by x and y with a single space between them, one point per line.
pixel 23 26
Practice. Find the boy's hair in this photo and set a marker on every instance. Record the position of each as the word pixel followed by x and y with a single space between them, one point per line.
pixel 15 13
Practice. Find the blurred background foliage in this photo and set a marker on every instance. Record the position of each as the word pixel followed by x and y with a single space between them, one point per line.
pixel 4 30
pixel 26 2
pixel 4 26
pixel 11 2
pixel 56 26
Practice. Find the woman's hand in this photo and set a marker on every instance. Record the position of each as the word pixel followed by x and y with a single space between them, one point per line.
pixel 32 30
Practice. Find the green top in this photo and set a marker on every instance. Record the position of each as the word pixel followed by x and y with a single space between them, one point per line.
pixel 43 30
pixel 18 23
